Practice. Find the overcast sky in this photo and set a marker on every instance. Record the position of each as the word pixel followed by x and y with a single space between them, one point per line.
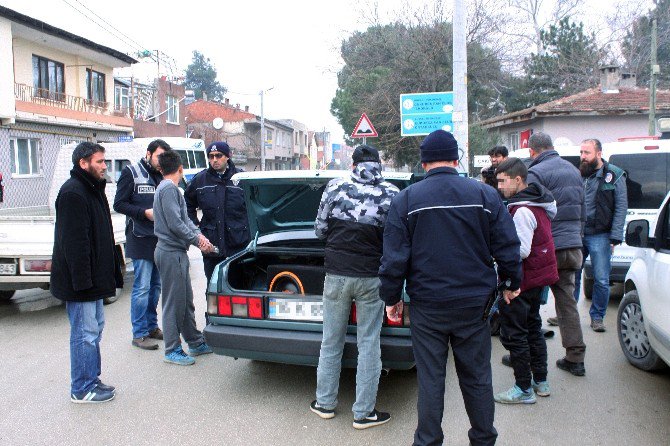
pixel 291 46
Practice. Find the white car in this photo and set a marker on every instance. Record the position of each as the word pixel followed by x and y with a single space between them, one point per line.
pixel 643 321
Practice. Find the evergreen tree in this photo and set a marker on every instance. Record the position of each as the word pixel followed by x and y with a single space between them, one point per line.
pixel 201 77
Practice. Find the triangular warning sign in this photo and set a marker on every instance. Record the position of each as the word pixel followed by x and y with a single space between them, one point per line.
pixel 364 128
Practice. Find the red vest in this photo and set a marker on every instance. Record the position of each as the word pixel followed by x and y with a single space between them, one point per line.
pixel 539 268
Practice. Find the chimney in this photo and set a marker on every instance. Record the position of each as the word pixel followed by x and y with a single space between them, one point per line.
pixel 628 80
pixel 610 78
pixel 246 108
pixel 204 96
pixel 237 106
pixel 227 101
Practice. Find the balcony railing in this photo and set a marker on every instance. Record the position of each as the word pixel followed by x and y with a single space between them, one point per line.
pixel 43 96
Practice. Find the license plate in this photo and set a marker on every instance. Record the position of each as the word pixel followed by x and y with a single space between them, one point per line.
pixel 7 268
pixel 297 310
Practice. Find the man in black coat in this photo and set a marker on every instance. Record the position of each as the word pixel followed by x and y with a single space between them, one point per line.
pixel 442 237
pixel 224 213
pixel 85 267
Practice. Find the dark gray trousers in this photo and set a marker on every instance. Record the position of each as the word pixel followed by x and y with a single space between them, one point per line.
pixel 569 261
pixel 178 308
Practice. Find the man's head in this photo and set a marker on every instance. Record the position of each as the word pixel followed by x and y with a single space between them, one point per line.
pixel 591 157
pixel 538 143
pixel 365 153
pixel 439 149
pixel 170 164
pixel 154 149
pixel 511 175
pixel 498 154
pixel 90 157
pixel 218 154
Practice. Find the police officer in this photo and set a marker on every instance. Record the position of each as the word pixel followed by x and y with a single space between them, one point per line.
pixel 134 198
pixel 442 236
pixel 224 213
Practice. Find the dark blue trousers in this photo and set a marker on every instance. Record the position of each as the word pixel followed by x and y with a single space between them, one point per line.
pixel 433 330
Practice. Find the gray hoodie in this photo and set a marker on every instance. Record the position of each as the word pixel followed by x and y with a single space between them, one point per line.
pixel 175 231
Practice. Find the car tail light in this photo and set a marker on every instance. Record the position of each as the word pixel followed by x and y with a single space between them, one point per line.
pixel 353 313
pixel 650 147
pixel 37 265
pixel 404 318
pixel 239 306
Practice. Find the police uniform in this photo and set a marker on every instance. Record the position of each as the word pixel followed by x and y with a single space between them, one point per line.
pixel 441 239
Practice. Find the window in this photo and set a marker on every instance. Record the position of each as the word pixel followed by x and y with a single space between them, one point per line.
pixel 48 80
pixel 513 141
pixel 647 178
pixel 121 98
pixel 24 156
pixel 95 87
pixel 268 137
pixel 172 107
pixel 200 160
pixel 184 158
pixel 114 169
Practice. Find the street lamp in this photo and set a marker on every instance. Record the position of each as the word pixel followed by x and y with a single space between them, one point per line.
pixel 262 93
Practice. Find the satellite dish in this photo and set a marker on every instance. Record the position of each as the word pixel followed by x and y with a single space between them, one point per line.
pixel 217 123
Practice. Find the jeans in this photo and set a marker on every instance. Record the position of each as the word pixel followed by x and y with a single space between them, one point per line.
pixel 87 319
pixel 568 260
pixel 338 293
pixel 521 334
pixel 599 248
pixel 144 298
pixel 434 329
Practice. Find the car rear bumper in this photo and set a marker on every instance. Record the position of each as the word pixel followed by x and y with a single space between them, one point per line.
pixel 298 347
pixel 618 273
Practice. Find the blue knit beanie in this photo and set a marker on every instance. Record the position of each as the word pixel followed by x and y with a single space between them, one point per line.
pixel 439 146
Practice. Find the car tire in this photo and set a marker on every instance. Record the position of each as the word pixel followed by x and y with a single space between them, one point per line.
pixel 5 295
pixel 632 334
pixel 588 287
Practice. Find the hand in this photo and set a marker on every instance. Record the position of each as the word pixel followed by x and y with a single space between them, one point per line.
pixel 394 312
pixel 509 295
pixel 149 214
pixel 204 244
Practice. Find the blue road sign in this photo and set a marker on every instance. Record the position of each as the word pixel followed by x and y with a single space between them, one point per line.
pixel 125 138
pixel 421 113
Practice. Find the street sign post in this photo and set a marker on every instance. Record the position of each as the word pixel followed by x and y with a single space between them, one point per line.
pixel 422 113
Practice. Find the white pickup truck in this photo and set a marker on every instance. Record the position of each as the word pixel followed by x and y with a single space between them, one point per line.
pixel 27 234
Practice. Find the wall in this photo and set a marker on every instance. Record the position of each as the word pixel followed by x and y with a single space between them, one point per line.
pixel 6 72
pixel 150 129
pixel 606 129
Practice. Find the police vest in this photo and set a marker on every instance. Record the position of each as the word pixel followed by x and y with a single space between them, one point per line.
pixel 143 195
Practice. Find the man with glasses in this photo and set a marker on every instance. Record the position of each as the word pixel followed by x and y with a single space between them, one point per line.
pixel 224 213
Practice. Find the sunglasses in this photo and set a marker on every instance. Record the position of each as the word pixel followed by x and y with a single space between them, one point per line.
pixel 215 155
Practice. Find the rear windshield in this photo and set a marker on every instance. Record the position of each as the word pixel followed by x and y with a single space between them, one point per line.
pixel 647 178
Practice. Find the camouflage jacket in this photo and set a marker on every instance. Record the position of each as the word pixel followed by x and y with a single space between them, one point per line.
pixel 351 219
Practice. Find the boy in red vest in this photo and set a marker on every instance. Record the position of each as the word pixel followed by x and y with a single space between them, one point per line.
pixel 532 208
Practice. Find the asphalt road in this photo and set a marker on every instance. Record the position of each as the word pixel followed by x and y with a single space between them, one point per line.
pixel 223 401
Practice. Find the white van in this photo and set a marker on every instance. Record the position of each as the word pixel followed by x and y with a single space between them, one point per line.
pixel 192 152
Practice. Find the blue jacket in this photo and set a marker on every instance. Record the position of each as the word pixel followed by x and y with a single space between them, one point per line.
pixel 134 195
pixel 224 212
pixel 565 183
pixel 442 236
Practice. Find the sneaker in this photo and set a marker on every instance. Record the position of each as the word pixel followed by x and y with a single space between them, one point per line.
pixel 553 321
pixel 145 343
pixel 576 368
pixel 374 418
pixel 506 360
pixel 178 357
pixel 202 349
pixel 105 387
pixel 515 396
pixel 597 325
pixel 95 395
pixel 326 414
pixel 156 333
pixel 541 388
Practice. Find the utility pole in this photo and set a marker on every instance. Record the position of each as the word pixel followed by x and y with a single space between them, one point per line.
pixel 460 81
pixel 262 93
pixel 655 69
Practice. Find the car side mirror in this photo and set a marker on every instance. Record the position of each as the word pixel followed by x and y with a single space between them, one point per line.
pixel 637 234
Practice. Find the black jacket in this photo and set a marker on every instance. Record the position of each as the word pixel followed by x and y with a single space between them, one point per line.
pixel 224 212
pixel 85 265
pixel 443 235
pixel 134 195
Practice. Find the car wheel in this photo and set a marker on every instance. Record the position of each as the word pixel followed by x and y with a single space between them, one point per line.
pixel 633 335
pixel 6 295
pixel 588 287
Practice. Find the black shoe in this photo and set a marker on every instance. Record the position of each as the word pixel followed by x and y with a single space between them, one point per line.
pixel 105 387
pixel 576 368
pixel 374 418
pixel 547 333
pixel 326 414
pixel 506 360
